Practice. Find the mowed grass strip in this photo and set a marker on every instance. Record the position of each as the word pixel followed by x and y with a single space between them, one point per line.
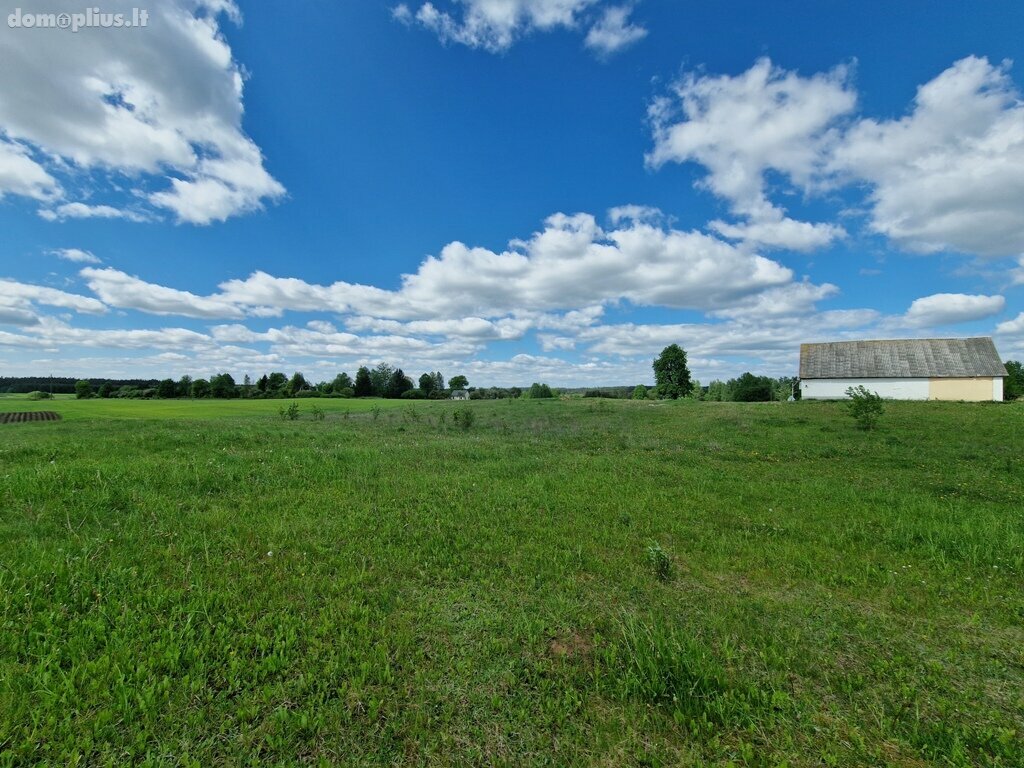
pixel 390 586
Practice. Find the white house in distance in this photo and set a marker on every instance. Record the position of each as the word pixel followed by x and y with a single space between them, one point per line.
pixel 903 369
pixel 460 394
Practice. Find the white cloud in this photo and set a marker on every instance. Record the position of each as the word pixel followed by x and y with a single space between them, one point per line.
pixel 571 263
pixel 613 32
pixel 949 175
pixel 496 25
pixel 22 175
pixel 951 308
pixel 739 128
pixel 1013 327
pixel 163 99
pixel 785 301
pixel 778 231
pixel 76 255
pixel 127 292
pixel 21 295
pixel 83 211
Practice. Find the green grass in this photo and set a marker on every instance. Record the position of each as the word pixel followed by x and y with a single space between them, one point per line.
pixel 207 584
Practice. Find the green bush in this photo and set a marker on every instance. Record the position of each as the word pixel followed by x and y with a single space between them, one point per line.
pixel 291 413
pixel 464 417
pixel 865 406
pixel 414 394
pixel 660 562
pixel 37 395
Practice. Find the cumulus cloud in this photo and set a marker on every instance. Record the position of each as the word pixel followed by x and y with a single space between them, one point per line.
pixel 952 308
pixel 739 128
pixel 949 175
pixel 20 296
pixel 76 255
pixel 166 99
pixel 124 291
pixel 496 25
pixel 1013 327
pixel 570 264
pixel 614 32
pixel 83 211
pixel 20 174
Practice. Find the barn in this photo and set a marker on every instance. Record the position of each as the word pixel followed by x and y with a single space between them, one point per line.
pixel 903 369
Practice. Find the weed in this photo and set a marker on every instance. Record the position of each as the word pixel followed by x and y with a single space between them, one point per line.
pixel 289 413
pixel 317 413
pixel 660 562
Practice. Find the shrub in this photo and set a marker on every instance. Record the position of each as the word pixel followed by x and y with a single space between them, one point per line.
pixel 317 413
pixel 865 406
pixel 660 562
pixel 306 393
pixel 464 417
pixel 640 392
pixel 413 394
pixel 37 395
pixel 291 413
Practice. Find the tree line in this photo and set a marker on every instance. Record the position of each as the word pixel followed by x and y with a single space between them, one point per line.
pixel 383 380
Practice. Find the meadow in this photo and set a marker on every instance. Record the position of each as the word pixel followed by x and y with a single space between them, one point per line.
pixel 576 582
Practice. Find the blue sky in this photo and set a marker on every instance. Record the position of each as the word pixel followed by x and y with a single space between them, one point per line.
pixel 516 190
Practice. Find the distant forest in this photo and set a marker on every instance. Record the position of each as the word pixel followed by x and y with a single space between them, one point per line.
pixel 60 385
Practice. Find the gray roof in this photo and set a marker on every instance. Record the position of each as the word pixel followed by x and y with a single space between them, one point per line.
pixel 901 358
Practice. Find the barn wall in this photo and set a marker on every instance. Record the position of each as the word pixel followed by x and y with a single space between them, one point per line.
pixel 997 388
pixel 976 389
pixel 893 389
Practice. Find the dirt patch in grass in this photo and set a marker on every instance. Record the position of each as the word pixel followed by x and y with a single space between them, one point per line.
pixel 21 417
pixel 573 645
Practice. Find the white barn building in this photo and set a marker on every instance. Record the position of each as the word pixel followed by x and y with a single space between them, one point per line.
pixel 903 369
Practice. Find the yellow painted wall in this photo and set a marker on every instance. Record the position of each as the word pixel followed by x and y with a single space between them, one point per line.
pixel 960 389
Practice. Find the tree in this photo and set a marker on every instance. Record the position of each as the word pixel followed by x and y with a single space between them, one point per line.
pixel 671 376
pixel 261 385
pixel 106 390
pixel 276 383
pixel 398 383
pixel 223 386
pixel 1013 384
pixel 539 391
pixel 427 383
pixel 640 392
pixel 297 383
pixel 364 385
pixel 379 377
pixel 200 388
pixel 184 387
pixel 749 388
pixel 458 382
pixel 166 389
pixel 341 381
pixel 83 389
pixel 718 391
pixel 438 381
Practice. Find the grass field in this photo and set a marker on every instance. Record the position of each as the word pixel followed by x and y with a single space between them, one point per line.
pixel 565 583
